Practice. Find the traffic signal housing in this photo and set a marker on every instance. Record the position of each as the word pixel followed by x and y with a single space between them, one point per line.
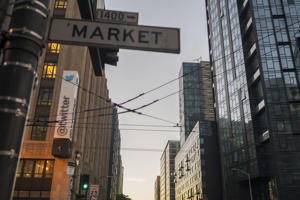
pixel 84 184
pixel 109 56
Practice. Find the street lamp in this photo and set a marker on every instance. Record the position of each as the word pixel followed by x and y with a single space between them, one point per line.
pixel 77 158
pixel 77 163
pixel 249 179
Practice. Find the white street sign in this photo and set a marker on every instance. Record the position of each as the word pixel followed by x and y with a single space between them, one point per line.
pixel 71 168
pixel 116 17
pixel 85 33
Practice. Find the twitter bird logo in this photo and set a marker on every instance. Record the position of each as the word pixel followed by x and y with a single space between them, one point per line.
pixel 69 77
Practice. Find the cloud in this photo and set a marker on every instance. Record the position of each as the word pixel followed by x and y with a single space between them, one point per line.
pixel 137 180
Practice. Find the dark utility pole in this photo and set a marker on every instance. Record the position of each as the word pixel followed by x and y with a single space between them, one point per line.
pixel 22 48
pixel 3 11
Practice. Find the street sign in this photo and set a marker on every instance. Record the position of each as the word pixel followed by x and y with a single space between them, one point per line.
pixel 86 33
pixel 71 168
pixel 116 17
pixel 93 192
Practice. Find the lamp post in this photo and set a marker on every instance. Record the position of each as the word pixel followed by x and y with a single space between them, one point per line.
pixel 77 163
pixel 249 179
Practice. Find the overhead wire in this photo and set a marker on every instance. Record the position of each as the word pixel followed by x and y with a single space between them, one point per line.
pixel 220 58
pixel 116 104
pixel 157 100
pixel 109 128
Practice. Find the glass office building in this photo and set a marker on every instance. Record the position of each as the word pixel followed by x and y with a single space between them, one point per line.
pixel 195 98
pixel 167 170
pixel 252 51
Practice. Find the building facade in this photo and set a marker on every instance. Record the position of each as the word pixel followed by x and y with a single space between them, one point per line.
pixel 40 174
pixel 121 176
pixel 257 96
pixel 115 179
pixel 197 165
pixel 157 188
pixel 297 51
pixel 167 170
pixel 192 84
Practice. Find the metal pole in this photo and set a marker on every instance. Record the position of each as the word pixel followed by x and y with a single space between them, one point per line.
pixel 22 47
pixel 250 187
pixel 249 179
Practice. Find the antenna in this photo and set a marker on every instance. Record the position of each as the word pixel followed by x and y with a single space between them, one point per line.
pixel 197 59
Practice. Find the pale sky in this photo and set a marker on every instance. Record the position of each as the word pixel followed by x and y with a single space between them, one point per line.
pixel 140 71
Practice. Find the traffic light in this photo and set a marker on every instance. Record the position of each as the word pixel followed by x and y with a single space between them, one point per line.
pixel 84 184
pixel 109 56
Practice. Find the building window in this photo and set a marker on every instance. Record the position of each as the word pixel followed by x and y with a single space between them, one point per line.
pixel 35 168
pixel 39 132
pixel 27 169
pixel 286 57
pixel 49 70
pixel 281 32
pixel 61 4
pixel 45 96
pixel 39 168
pixel 20 166
pixel 31 194
pixel 49 168
pixel 54 47
pixel 290 79
pixel 291 85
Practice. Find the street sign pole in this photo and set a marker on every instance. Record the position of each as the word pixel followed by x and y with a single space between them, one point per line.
pixel 22 48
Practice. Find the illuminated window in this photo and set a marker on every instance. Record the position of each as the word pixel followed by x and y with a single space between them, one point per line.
pixel 61 4
pixel 53 47
pixel 35 168
pixel 39 168
pixel 49 168
pixel 49 70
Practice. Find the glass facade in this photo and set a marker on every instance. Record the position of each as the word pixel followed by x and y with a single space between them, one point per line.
pixel 252 45
pixel 195 96
pixel 167 170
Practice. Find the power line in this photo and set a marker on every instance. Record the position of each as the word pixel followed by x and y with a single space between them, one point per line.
pixel 108 128
pixel 115 104
pixel 222 57
pixel 157 100
pixel 160 86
